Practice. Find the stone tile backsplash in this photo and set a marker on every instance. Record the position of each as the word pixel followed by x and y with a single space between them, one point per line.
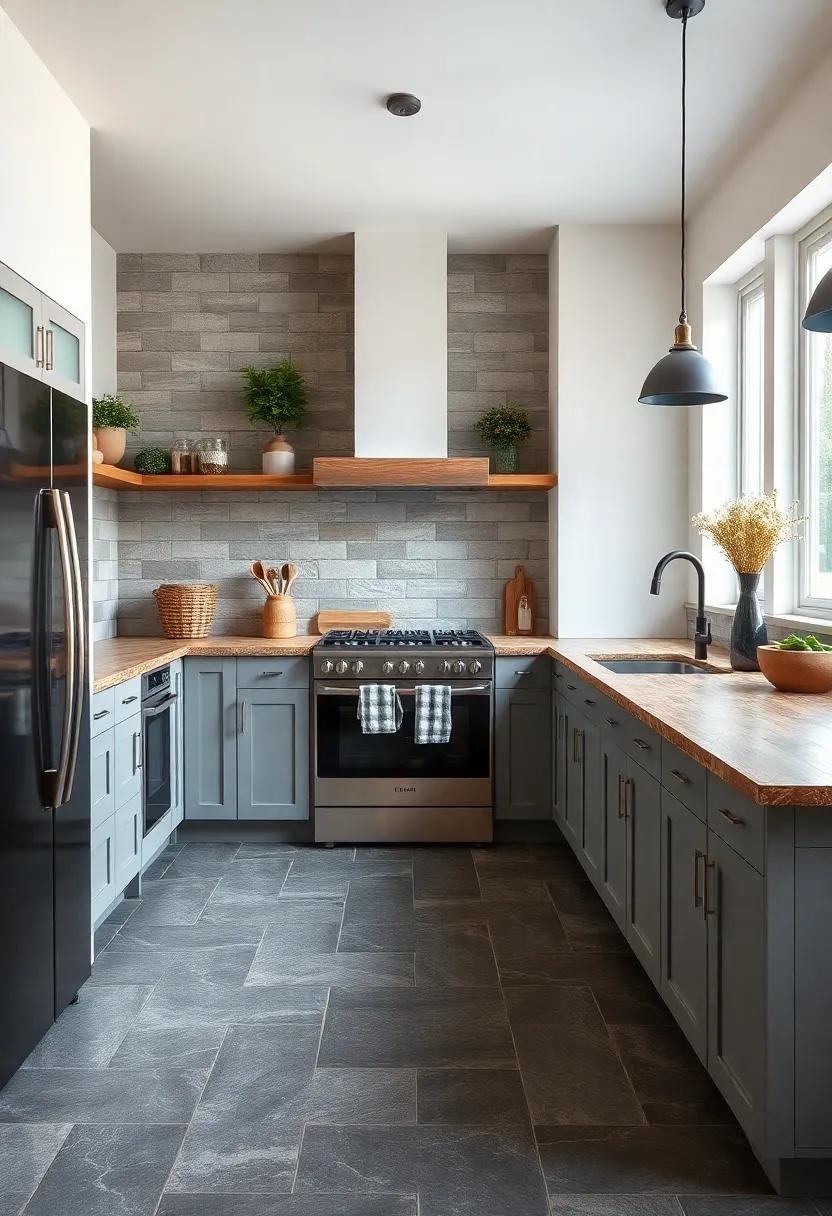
pixel 104 563
pixel 427 557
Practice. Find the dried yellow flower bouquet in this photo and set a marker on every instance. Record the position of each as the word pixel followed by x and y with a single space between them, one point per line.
pixel 748 530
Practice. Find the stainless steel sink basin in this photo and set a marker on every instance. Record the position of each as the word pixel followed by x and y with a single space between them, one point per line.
pixel 669 667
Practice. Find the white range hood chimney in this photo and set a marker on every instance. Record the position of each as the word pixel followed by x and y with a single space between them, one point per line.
pixel 401 343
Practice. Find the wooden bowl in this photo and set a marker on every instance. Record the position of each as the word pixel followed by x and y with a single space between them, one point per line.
pixel 796 670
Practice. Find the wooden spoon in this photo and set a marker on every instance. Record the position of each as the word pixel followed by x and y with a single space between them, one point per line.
pixel 259 573
pixel 290 572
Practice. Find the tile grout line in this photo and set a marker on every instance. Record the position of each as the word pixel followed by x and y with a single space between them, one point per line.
pixel 618 1055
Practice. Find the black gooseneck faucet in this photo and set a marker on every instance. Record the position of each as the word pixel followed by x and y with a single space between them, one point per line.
pixel 702 637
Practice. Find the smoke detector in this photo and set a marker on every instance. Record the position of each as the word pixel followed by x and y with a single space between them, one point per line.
pixel 403 105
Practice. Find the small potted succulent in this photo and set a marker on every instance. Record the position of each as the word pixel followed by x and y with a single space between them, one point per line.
pixel 502 428
pixel 112 418
pixel 276 396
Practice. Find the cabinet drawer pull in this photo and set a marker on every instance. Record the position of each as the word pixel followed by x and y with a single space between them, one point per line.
pixel 572 687
pixel 621 809
pixel 645 747
pixel 39 346
pixel 522 673
pixel 588 701
pixel 242 717
pixel 137 751
pixel 129 700
pixel 708 893
pixel 102 713
pixel 628 796
pixel 680 777
pixel 270 675
pixel 736 820
pixel 611 721
pixel 698 879
pixel 50 351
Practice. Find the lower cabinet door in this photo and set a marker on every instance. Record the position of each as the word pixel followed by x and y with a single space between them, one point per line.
pixel 613 885
pixel 273 754
pixel 735 906
pixel 102 777
pixel 593 817
pixel 128 756
pixel 523 741
pixel 176 745
pixel 644 830
pixel 128 842
pixel 103 866
pixel 573 802
pixel 684 927
pixel 210 764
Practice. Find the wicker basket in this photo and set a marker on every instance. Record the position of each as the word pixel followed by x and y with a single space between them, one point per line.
pixel 186 610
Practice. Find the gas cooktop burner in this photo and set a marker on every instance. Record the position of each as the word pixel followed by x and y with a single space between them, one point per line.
pixel 403 637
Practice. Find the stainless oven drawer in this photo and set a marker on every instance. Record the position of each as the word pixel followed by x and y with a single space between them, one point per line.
pixel 390 791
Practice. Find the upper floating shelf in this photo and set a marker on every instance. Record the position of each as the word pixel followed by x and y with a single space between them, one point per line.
pixel 113 478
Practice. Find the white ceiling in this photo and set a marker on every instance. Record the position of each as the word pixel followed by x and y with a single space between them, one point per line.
pixel 259 124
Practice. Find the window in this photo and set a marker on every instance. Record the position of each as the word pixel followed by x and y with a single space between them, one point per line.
pixel 816 431
pixel 751 371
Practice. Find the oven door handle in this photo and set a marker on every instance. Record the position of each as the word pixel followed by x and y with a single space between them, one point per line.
pixel 153 710
pixel 402 692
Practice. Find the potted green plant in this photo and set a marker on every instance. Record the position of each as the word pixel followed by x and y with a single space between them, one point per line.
pixel 276 396
pixel 502 428
pixel 112 418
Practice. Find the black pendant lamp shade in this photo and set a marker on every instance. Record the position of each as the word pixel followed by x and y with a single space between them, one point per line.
pixel 818 316
pixel 684 376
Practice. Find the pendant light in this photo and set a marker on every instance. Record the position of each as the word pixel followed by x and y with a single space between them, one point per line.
pixel 818 316
pixel 684 376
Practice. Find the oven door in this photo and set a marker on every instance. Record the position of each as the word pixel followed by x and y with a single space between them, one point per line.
pixel 158 731
pixel 354 769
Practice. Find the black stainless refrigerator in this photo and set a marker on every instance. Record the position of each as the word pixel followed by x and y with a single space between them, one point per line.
pixel 44 729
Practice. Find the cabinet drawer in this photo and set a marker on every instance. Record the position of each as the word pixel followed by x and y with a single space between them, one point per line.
pixel 642 744
pixel 102 867
pixel 128 759
pixel 128 846
pixel 738 820
pixel 273 673
pixel 102 777
pixel 128 698
pixel 685 779
pixel 102 710
pixel 524 671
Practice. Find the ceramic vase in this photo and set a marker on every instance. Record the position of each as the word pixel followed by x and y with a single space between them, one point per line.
pixel 505 460
pixel 748 630
pixel 278 457
pixel 111 442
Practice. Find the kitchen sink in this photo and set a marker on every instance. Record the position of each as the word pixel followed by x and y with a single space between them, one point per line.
pixel 668 667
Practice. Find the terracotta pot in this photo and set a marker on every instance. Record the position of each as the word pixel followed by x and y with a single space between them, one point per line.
pixel 278 457
pixel 796 670
pixel 111 442
pixel 279 617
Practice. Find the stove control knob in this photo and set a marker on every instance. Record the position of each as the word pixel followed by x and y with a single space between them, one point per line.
pixel 357 667
pixel 387 667
pixel 341 666
pixel 326 666
pixel 404 667
pixel 445 667
pixel 418 667
pixel 459 667
pixel 475 668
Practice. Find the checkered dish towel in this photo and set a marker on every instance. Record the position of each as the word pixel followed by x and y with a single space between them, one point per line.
pixel 433 713
pixel 379 709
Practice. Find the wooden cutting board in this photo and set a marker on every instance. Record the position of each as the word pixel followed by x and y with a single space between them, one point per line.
pixel 516 590
pixel 357 619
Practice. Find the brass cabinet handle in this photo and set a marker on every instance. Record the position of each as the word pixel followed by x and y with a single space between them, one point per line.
pixel 736 820
pixel 708 904
pixel 698 878
pixel 680 777
pixel 645 747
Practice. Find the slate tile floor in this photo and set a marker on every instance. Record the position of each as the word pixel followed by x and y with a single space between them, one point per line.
pixel 274 1031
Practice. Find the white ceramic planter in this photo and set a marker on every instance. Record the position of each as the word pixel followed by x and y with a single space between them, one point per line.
pixel 278 457
pixel 111 442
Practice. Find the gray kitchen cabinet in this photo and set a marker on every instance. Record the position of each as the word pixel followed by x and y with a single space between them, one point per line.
pixel 102 866
pixel 102 777
pixel 684 953
pixel 734 894
pixel 523 743
pixel 127 737
pixel 592 840
pixel 128 842
pixel 273 753
pixel 612 886
pixel 559 758
pixel 573 802
pixel 39 337
pixel 177 743
pixel 643 918
pixel 210 742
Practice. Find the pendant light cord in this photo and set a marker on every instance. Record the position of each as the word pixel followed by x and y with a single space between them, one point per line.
pixel 683 316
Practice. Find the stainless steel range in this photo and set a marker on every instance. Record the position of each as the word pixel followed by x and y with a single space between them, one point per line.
pixel 388 787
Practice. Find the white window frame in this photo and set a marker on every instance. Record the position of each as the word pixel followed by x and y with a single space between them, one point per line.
pixel 819 232
pixel 748 288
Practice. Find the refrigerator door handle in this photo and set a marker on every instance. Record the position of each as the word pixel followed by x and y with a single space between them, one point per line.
pixel 80 649
pixel 59 776
pixel 40 654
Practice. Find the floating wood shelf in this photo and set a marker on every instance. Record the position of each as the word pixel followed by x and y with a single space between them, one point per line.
pixel 342 472
pixel 111 477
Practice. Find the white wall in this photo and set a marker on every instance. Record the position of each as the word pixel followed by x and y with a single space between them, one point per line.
pixel 401 343
pixel 103 316
pixel 622 467
pixel 45 166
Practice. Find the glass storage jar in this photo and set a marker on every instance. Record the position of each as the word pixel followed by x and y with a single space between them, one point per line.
pixel 182 458
pixel 213 456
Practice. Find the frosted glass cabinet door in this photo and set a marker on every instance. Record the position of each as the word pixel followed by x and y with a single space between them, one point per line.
pixel 21 344
pixel 64 349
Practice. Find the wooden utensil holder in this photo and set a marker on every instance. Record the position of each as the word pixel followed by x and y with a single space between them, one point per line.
pixel 280 619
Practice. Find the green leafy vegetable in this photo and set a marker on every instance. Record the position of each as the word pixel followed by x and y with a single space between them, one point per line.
pixel 810 642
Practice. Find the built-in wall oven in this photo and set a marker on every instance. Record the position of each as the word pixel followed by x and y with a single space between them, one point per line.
pixel 382 787
pixel 159 702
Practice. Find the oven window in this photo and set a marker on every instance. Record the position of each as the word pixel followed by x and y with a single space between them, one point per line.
pixel 157 768
pixel 343 751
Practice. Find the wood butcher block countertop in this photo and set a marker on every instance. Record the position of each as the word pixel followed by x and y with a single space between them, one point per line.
pixel 775 747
